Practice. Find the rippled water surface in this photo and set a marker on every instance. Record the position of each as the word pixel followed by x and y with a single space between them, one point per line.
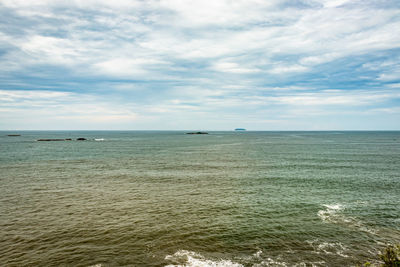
pixel 222 199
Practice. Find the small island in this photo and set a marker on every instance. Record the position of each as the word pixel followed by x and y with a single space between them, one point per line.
pixel 67 139
pixel 197 133
pixel 240 129
pixel 50 139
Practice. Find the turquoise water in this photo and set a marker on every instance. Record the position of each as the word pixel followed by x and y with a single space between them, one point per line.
pixel 223 199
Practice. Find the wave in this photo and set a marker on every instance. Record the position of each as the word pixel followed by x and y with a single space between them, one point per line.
pixel 187 258
pixel 99 139
pixel 332 214
pixel 335 248
pixel 270 262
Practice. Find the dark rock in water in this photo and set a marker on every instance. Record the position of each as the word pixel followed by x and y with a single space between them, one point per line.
pixel 51 140
pixel 13 135
pixel 81 139
pixel 197 133
pixel 68 139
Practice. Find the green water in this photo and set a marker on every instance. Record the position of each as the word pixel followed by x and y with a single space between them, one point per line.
pixel 223 199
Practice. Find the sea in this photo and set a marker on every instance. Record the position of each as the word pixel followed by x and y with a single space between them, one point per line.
pixel 166 198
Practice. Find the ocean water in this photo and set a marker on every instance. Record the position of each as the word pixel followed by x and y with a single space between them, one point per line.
pixel 135 198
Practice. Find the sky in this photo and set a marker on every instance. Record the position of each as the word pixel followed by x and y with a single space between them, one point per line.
pixel 200 65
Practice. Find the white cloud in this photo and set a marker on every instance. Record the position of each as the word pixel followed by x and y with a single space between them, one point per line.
pixel 206 57
pixel 288 69
pixel 391 110
pixel 336 98
pixel 51 49
pixel 239 28
pixel 61 110
pixel 393 76
pixel 234 68
pixel 11 95
pixel 121 67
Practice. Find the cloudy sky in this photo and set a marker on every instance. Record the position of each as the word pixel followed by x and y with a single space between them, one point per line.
pixel 206 65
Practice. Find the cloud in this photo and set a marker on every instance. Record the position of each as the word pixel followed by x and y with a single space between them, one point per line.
pixel 288 69
pixel 161 60
pixel 336 98
pixel 127 67
pixel 60 110
pixel 233 68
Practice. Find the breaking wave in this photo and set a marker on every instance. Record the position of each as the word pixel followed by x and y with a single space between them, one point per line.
pixel 333 214
pixel 335 248
pixel 330 213
pixel 187 258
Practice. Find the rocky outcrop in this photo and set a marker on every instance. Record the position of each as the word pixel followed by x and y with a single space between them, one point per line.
pixel 197 133
pixel 51 139
pixel 67 139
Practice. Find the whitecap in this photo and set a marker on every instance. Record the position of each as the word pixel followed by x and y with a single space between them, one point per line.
pixel 258 254
pixel 271 262
pixel 99 139
pixel 312 264
pixel 335 206
pixel 332 215
pixel 185 258
pixel 329 214
pixel 334 248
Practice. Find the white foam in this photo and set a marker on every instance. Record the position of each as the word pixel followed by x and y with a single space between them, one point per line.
pixel 335 248
pixel 271 262
pixel 328 215
pixel 99 139
pixel 186 258
pixel 312 264
pixel 332 214
pixel 335 206
pixel 258 254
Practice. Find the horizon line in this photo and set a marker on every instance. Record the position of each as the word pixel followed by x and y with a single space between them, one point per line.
pixel 179 130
